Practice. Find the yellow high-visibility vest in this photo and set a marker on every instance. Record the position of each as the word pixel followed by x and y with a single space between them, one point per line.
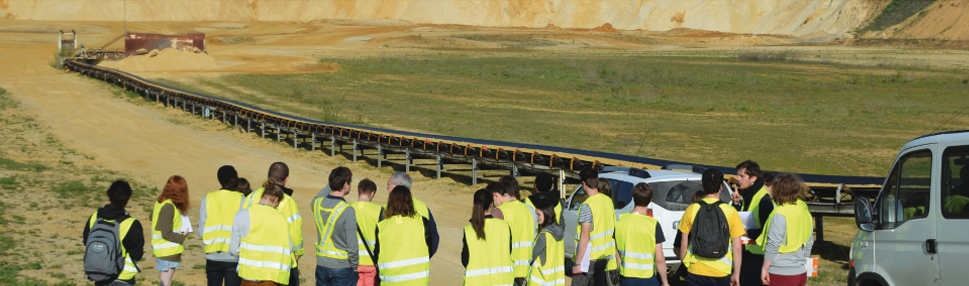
pixel 604 226
pixel 325 246
pixel 220 207
pixel 287 206
pixel 160 247
pixel 522 223
pixel 130 267
pixel 489 262
pixel 368 215
pixel 265 254
pixel 552 272
pixel 636 242
pixel 754 208
pixel 799 222
pixel 404 258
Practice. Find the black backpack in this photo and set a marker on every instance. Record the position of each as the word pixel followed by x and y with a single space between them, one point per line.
pixel 710 234
pixel 103 261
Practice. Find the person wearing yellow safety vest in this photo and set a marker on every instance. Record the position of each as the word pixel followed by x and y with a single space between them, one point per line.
pixel 403 179
pixel 261 239
pixel 167 237
pixel 547 266
pixel 520 217
pixel 712 271
pixel 639 243
pixel 788 236
pixel 337 255
pixel 216 213
pixel 133 245
pixel 368 215
pixel 279 173
pixel 752 196
pixel 402 251
pixel 594 233
pixel 543 185
pixel 486 254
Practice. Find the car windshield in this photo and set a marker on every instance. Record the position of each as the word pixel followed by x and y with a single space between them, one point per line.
pixel 673 195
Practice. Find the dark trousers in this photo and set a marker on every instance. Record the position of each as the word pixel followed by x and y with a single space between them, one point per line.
pixel 595 276
pixel 750 269
pixel 218 271
pixel 336 277
pixel 700 280
pixel 294 276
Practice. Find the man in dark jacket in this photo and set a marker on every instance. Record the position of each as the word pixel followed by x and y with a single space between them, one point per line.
pixel 133 240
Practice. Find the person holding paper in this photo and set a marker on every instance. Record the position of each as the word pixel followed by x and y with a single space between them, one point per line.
pixel 167 238
pixel 788 235
pixel 594 233
pixel 752 197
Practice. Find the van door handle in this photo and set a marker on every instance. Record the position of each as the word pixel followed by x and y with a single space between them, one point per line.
pixel 930 246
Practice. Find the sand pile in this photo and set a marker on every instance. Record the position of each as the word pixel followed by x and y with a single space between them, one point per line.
pixel 165 60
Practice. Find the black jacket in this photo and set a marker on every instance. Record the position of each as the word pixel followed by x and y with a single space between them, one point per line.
pixel 133 241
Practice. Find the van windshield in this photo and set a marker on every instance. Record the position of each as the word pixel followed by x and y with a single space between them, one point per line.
pixel 673 195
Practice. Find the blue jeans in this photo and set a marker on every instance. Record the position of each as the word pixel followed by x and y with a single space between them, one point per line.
pixel 163 265
pixel 700 280
pixel 626 281
pixel 336 277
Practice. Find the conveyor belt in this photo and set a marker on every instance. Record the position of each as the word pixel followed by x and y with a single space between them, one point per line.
pixel 527 156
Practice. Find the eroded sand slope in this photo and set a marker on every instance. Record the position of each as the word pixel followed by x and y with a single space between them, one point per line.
pixel 785 17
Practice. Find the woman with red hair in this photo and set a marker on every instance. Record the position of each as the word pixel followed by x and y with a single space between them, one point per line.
pixel 167 239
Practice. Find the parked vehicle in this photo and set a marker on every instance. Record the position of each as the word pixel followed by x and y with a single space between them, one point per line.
pixel 917 230
pixel 672 192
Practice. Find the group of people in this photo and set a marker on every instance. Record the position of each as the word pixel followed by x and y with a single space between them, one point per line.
pixel 773 250
pixel 255 237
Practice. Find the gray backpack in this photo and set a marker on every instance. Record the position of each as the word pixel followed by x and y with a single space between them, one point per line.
pixel 103 261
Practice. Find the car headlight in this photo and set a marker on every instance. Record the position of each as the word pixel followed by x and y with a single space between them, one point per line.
pixel 676 225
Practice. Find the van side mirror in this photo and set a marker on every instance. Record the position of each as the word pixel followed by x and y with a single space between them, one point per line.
pixel 863 214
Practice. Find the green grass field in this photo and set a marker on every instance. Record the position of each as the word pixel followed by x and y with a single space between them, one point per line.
pixel 788 115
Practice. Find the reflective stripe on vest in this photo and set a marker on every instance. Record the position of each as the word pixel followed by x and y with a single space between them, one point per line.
pixel 130 268
pixel 553 271
pixel 522 223
pixel 265 254
pixel 604 225
pixel 404 257
pixel 754 209
pixel 723 264
pixel 325 246
pixel 489 262
pixel 159 246
pixel 636 243
pixel 799 226
pixel 367 215
pixel 220 208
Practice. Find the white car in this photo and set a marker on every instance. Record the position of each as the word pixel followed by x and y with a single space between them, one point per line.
pixel 672 193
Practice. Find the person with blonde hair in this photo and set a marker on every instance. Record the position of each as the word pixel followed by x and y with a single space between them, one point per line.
pixel 402 252
pixel 167 238
pixel 788 234
pixel 261 239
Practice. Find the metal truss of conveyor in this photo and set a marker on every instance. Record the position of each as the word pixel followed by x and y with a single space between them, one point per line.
pixel 829 198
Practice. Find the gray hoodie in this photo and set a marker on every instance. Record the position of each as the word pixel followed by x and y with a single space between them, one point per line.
pixel 557 231
pixel 784 263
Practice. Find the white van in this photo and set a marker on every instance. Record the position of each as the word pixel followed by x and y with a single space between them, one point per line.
pixel 917 230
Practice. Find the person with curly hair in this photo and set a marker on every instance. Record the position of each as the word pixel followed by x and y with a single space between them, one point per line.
pixel 167 239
